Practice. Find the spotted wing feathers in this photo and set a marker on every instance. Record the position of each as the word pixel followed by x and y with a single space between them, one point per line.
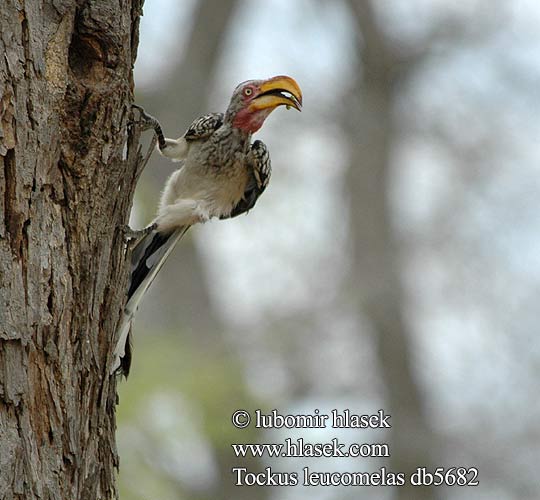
pixel 204 126
pixel 261 169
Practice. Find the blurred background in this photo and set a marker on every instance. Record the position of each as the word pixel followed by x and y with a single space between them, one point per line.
pixel 394 261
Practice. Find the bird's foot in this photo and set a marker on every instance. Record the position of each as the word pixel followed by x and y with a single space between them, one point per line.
pixel 145 120
pixel 133 236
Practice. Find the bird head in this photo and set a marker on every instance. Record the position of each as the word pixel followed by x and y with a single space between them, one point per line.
pixel 254 100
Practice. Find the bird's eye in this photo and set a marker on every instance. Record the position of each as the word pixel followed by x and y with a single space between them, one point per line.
pixel 248 91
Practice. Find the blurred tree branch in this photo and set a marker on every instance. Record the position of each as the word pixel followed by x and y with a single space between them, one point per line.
pixel 379 51
pixel 368 120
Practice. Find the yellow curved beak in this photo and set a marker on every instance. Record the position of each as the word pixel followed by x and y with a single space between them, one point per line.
pixel 278 91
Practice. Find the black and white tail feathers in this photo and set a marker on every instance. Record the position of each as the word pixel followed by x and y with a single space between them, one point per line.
pixel 147 258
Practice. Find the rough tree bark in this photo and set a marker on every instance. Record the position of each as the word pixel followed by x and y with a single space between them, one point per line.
pixel 66 184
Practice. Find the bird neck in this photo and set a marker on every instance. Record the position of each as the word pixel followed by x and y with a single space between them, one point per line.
pixel 249 121
pixel 237 136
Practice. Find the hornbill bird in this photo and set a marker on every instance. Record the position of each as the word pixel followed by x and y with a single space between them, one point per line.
pixel 222 175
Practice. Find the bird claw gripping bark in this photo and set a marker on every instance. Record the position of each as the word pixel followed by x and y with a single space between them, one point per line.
pixel 132 236
pixel 149 122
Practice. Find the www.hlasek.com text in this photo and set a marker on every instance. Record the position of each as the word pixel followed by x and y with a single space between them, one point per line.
pixel 299 448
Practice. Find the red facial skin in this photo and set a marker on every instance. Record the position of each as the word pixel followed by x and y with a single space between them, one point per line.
pixel 247 120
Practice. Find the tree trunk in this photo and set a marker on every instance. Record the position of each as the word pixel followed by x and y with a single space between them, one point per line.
pixel 376 259
pixel 66 183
